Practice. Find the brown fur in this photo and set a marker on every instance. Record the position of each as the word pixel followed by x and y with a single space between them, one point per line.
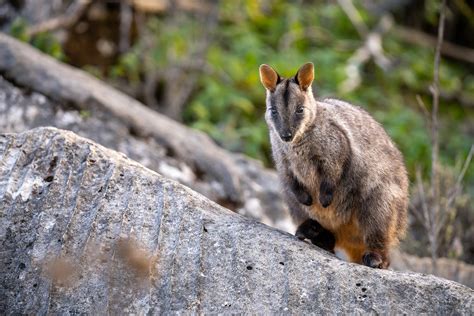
pixel 343 159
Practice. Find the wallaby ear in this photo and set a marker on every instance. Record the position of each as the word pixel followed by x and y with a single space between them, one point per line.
pixel 269 77
pixel 305 75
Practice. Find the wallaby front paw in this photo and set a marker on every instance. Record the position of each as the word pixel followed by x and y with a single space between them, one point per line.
pixel 304 198
pixel 326 193
pixel 325 199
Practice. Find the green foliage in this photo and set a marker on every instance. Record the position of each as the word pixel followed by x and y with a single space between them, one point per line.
pixel 229 103
pixel 45 42
pixel 18 30
pixel 48 44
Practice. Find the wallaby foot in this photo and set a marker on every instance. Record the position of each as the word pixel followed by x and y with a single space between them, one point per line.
pixel 319 236
pixel 375 260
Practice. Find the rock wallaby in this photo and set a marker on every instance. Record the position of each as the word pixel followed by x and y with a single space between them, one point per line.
pixel 344 180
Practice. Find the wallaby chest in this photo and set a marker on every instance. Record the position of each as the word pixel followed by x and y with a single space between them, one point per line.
pixel 303 163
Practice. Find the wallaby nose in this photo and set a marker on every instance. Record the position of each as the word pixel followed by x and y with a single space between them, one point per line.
pixel 287 136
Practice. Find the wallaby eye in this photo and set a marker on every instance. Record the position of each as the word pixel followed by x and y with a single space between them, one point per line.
pixel 299 110
pixel 273 110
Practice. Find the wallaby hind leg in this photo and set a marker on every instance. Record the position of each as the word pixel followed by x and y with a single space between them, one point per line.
pixel 319 236
pixel 378 223
pixel 376 255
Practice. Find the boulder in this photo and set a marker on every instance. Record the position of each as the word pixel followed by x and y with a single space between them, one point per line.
pixel 68 206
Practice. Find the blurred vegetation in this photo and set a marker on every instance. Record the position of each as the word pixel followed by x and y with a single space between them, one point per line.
pixel 45 42
pixel 227 101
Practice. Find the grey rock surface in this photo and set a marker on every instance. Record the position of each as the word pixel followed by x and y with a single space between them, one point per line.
pixel 36 11
pixel 64 196
pixel 450 269
pixel 32 11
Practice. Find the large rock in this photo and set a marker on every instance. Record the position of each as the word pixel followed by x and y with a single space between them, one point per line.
pixel 64 196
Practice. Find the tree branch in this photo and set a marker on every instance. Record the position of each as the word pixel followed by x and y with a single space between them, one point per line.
pixel 72 16
pixel 434 116
pixel 457 186
pixel 435 184
pixel 371 48
pixel 425 220
pixel 348 7
pixel 424 109
pixel 416 37
pixel 126 17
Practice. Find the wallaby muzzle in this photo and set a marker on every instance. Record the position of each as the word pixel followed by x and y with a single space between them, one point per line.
pixel 286 136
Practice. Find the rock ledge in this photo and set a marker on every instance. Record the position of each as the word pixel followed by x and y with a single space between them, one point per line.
pixel 64 196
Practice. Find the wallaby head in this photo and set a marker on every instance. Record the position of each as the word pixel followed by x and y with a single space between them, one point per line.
pixel 290 103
